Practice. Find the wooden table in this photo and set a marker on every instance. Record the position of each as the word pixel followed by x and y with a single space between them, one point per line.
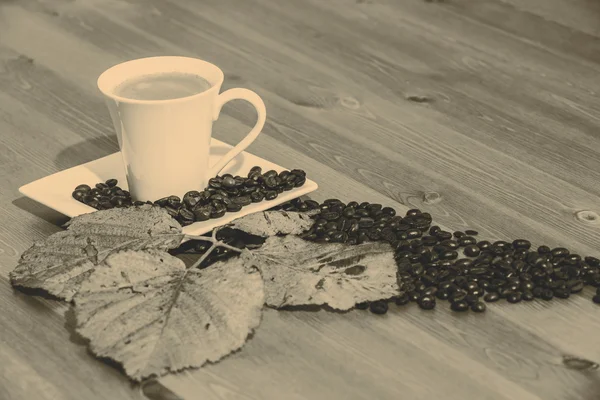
pixel 484 113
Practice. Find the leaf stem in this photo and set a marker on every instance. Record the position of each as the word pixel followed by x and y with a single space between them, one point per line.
pixel 215 243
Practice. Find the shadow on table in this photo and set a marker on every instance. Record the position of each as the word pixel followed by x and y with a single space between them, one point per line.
pixel 41 211
pixel 86 151
pixel 96 148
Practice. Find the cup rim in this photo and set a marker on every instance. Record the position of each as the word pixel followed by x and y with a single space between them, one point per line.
pixel 109 91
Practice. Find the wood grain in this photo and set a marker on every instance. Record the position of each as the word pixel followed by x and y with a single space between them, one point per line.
pixel 485 114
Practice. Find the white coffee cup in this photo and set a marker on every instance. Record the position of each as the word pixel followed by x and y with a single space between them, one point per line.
pixel 165 143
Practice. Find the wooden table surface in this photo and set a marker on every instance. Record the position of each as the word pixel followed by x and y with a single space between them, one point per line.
pixel 485 113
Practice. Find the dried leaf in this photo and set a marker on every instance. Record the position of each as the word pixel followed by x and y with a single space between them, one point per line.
pixel 271 223
pixel 146 311
pixel 65 259
pixel 298 272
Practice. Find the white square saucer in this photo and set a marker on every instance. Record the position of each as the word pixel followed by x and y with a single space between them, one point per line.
pixel 54 191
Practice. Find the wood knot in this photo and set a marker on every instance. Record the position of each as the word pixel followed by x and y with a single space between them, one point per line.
pixel 588 217
pixel 579 364
pixel 431 197
pixel 24 59
pixel 419 99
pixel 350 102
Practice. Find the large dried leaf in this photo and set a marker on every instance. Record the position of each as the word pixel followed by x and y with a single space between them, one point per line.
pixel 271 223
pixel 65 259
pixel 146 311
pixel 298 272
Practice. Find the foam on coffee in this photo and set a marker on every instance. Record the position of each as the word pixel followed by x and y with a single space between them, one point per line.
pixel 164 86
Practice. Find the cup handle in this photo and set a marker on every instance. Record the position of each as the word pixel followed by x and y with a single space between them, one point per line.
pixel 259 105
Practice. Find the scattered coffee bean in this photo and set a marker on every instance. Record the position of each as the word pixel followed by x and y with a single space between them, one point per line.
pixel 426 302
pixel 459 306
pixel 379 307
pixel 514 297
pixel 466 241
pixel 472 250
pixel 491 297
pixel 521 244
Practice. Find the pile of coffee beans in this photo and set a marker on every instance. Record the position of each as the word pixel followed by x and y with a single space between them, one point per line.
pixel 433 264
pixel 437 265
pixel 225 193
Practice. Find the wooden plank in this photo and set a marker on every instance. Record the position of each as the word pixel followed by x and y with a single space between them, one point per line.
pixel 521 103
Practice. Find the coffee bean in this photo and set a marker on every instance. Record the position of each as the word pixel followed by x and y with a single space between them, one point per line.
pixel 413 233
pixel 413 296
pixel 298 172
pixel 526 285
pixel 450 244
pixel 472 250
pixel 234 207
pixel 442 294
pixel 257 197
pixel 443 235
pixel 312 204
pixel 478 307
pixel 299 181
pixel 402 300
pixel 471 299
pixel 202 213
pixel 448 255
pixel 116 201
pixel 562 293
pixel 592 261
pixel 491 297
pixel 459 306
pixel 388 211
pixel 426 302
pixel 434 229
pixel 105 204
pixel 514 297
pixel 349 212
pixel 547 294
pixel 560 252
pixel 575 285
pixel 254 171
pixel 228 182
pixel 467 241
pixel 572 259
pixel 90 201
pixel 365 222
pixel 413 212
pixel 186 214
pixel 458 295
pixel 338 237
pixel 484 245
pixel 521 244
pixel 271 195
pixel 84 188
pixel 378 307
pixel 79 194
pixel 119 192
pixel 429 240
